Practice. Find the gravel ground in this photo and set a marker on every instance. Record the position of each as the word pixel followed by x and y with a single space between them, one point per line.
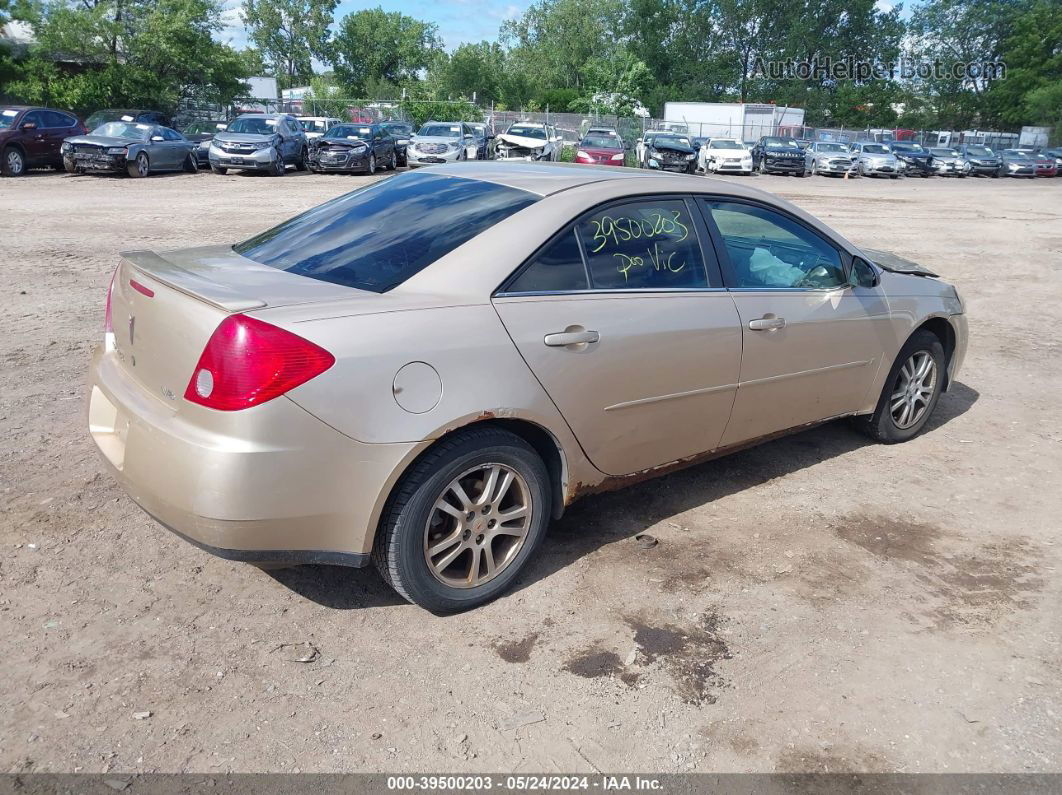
pixel 817 603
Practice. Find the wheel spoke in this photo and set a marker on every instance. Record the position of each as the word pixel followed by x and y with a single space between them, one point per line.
pixel 513 513
pixel 503 489
pixel 445 544
pixel 488 486
pixel 449 557
pixel 447 507
pixel 473 570
pixel 488 559
pixel 459 492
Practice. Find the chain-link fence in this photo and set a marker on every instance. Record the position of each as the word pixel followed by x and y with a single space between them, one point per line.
pixel 573 126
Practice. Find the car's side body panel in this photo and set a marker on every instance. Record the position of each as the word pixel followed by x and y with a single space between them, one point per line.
pixel 631 403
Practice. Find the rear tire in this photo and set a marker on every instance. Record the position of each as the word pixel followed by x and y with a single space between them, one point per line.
pixel 413 524
pixel 888 424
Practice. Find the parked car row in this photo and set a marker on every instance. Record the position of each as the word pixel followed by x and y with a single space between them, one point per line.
pixel 140 142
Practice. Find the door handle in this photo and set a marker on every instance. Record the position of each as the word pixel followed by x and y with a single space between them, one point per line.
pixel 562 338
pixel 767 323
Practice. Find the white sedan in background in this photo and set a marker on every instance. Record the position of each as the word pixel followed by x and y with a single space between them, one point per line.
pixel 724 155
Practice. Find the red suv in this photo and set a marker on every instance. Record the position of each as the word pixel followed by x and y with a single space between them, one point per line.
pixel 31 137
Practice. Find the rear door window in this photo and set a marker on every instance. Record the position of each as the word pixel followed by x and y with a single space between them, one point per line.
pixel 557 268
pixel 354 240
pixel 646 244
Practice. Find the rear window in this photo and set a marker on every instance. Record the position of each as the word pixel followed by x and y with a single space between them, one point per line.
pixel 378 236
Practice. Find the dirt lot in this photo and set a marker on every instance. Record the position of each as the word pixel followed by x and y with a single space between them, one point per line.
pixel 818 603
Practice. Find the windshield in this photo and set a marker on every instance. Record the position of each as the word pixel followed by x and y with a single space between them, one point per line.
pixel 253 125
pixel 354 241
pixel 671 140
pixel 104 116
pixel 200 127
pixel 779 143
pixel 1017 154
pixel 479 130
pixel 359 131
pixel 313 125
pixel 724 145
pixel 7 117
pixel 907 148
pixel 980 151
pixel 875 149
pixel 944 152
pixel 440 131
pixel 123 129
pixel 527 132
pixel 832 148
pixel 398 129
pixel 601 142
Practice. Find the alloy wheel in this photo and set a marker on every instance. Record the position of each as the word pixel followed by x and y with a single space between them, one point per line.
pixel 478 525
pixel 142 167
pixel 915 384
pixel 372 164
pixel 15 164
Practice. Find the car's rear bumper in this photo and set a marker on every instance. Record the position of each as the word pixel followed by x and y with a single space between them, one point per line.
pixel 267 484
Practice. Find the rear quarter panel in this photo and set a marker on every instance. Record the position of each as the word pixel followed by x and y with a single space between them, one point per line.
pixel 480 376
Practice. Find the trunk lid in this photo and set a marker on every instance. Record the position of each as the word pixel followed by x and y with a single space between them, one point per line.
pixel 164 307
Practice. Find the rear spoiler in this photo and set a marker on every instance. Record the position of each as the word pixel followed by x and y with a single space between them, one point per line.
pixel 182 280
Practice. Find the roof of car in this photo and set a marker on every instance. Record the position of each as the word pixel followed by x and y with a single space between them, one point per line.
pixel 545 179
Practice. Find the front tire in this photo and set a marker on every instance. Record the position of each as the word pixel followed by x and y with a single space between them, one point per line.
pixel 763 166
pixel 219 170
pixel 911 391
pixel 69 165
pixel 190 164
pixel 300 164
pixel 371 168
pixel 464 521
pixel 393 164
pixel 140 167
pixel 277 168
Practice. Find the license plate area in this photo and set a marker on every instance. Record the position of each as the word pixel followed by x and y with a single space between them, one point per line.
pixel 109 429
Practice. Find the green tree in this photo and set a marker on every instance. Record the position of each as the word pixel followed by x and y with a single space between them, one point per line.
pixel 1033 55
pixel 290 34
pixel 373 44
pixel 471 69
pixel 615 83
pixel 147 53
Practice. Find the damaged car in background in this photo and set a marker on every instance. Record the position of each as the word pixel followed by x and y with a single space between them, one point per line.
pixel 353 147
pixel 666 151
pixel 915 161
pixel 527 141
pixel 125 147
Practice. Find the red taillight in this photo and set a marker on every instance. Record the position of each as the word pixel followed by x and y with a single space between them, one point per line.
pixel 108 327
pixel 247 362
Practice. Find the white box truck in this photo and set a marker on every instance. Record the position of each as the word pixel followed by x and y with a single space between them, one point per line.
pixel 745 120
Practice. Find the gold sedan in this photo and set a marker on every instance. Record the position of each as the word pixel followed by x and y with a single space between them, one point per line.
pixel 423 372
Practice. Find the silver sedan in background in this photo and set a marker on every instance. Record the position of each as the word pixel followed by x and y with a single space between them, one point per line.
pixel 872 159
pixel 828 157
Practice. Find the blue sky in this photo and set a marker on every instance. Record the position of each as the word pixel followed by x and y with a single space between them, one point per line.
pixel 459 21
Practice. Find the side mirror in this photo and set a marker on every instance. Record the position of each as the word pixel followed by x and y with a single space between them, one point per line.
pixel 29 125
pixel 157 138
pixel 862 274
